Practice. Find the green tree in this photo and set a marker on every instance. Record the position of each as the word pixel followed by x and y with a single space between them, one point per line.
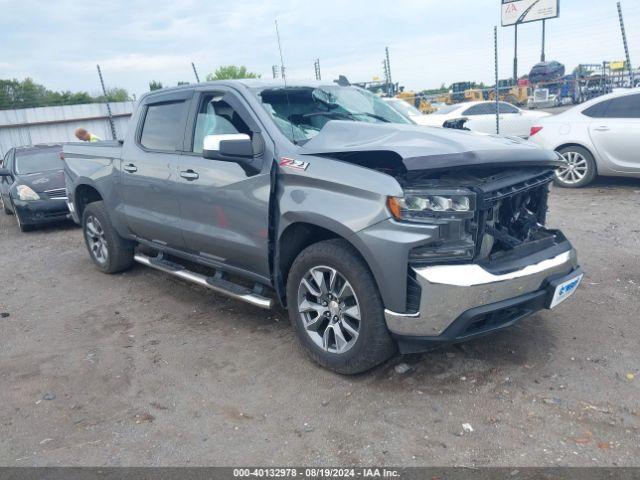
pixel 27 93
pixel 155 85
pixel 230 72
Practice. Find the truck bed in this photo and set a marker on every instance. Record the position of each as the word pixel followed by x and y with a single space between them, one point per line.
pixel 111 149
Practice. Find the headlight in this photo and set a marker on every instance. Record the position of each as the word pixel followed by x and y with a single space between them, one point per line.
pixel 425 205
pixel 26 193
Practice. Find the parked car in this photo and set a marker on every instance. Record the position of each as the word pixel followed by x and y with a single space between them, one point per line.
pixel 546 72
pixel 482 117
pixel 374 233
pixel 599 137
pixel 32 185
pixel 406 110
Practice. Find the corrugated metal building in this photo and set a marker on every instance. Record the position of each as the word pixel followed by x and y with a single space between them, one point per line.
pixel 29 126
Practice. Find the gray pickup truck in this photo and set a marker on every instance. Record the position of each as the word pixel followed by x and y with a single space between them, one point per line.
pixel 375 233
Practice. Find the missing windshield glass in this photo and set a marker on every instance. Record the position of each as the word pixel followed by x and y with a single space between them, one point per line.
pixel 301 112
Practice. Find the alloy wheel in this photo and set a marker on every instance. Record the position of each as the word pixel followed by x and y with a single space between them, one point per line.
pixel 96 240
pixel 575 169
pixel 329 309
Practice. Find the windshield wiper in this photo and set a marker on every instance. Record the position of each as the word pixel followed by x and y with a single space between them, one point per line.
pixel 372 115
pixel 328 114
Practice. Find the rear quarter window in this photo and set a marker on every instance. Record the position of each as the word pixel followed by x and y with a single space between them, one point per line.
pixel 597 110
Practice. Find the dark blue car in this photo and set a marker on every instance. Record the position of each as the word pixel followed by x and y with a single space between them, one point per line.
pixel 32 185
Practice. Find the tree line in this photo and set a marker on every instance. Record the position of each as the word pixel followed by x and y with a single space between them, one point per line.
pixel 27 93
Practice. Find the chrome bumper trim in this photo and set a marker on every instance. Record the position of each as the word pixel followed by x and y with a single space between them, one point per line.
pixel 450 290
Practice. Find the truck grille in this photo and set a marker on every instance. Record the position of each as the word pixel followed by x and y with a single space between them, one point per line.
pixel 57 193
pixel 511 215
pixel 541 94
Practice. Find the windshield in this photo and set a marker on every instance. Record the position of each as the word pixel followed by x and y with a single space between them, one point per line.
pixel 38 160
pixel 404 108
pixel 301 112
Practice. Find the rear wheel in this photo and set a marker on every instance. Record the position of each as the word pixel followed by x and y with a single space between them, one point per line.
pixel 336 310
pixel 109 251
pixel 580 169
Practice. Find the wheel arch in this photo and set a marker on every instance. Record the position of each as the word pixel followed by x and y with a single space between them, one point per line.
pixel 83 195
pixel 299 235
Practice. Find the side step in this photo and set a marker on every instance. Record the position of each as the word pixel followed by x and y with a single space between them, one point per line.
pixel 216 283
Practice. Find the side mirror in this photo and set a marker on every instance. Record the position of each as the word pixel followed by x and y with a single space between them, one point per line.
pixel 4 172
pixel 234 147
pixel 227 146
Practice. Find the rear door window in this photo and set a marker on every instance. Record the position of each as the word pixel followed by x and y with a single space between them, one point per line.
pixel 480 109
pixel 597 110
pixel 507 108
pixel 163 127
pixel 624 107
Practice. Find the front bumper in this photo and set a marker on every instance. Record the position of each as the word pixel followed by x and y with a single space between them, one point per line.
pixel 38 212
pixel 450 292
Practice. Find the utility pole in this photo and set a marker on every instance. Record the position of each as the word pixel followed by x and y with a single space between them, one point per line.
pixel 515 56
pixel 626 46
pixel 388 72
pixel 316 66
pixel 195 72
pixel 495 48
pixel 104 91
pixel 544 26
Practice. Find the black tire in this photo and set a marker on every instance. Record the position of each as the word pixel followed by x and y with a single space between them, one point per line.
pixel 119 252
pixel 22 226
pixel 589 161
pixel 373 344
pixel 5 206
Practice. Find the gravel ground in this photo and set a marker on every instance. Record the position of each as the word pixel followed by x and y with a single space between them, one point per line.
pixel 142 369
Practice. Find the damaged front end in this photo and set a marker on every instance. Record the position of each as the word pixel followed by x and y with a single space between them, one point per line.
pixel 489 216
pixel 493 263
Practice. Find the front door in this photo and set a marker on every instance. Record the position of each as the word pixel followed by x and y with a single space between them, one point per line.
pixel 225 210
pixel 150 173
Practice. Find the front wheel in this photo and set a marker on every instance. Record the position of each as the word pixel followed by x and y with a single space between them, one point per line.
pixel 580 169
pixel 336 309
pixel 109 251
pixel 5 206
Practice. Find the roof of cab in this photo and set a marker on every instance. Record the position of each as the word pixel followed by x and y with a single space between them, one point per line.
pixel 250 83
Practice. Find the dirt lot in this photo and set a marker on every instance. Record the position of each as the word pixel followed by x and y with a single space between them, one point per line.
pixel 142 369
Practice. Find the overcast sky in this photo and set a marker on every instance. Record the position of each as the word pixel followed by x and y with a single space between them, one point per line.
pixel 59 42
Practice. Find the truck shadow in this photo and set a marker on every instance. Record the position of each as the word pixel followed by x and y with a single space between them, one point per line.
pixel 487 361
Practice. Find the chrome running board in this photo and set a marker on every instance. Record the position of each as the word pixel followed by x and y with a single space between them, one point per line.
pixel 216 283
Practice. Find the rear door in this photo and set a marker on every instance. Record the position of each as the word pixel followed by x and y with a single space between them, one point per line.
pixel 225 209
pixel 150 183
pixel 512 122
pixel 616 133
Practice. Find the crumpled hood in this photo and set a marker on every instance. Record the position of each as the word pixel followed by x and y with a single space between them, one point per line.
pixel 39 182
pixel 427 148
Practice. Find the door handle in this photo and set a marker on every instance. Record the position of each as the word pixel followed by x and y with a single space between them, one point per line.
pixel 602 129
pixel 131 168
pixel 189 175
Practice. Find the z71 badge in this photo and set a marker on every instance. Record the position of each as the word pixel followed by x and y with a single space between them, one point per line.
pixel 291 163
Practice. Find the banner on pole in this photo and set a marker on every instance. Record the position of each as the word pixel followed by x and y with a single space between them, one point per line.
pixel 524 11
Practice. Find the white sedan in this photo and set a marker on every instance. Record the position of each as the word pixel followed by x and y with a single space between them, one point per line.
pixel 482 117
pixel 598 137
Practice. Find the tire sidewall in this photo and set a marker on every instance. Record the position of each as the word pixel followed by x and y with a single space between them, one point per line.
pixel 591 168
pixel 97 210
pixel 371 308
